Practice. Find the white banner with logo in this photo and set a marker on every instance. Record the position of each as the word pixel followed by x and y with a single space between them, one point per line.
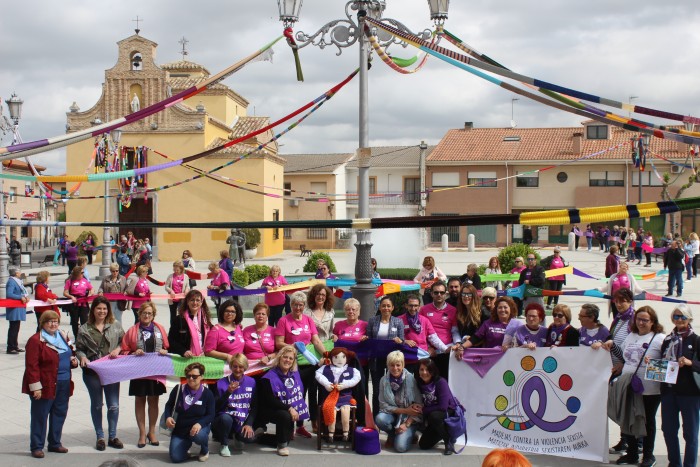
pixel 547 401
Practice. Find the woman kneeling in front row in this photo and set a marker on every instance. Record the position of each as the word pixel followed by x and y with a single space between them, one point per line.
pixel 194 410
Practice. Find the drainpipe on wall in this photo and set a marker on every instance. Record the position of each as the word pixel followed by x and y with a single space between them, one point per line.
pixel 508 210
pixel 421 207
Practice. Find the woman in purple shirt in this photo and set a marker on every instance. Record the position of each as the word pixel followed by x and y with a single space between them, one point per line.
pixel 492 331
pixel 438 404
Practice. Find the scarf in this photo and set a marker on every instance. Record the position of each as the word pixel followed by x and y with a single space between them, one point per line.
pixel 56 341
pixel 675 347
pixel 626 316
pixel 190 397
pixel 195 342
pixel 396 383
pixel 19 282
pixel 414 322
pixel 147 331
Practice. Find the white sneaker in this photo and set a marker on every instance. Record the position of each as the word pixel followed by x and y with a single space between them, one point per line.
pixel 225 451
pixel 203 457
pixel 283 451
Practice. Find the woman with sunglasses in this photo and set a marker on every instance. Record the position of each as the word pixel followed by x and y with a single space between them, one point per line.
pixel 225 339
pixel 643 343
pixel 189 331
pixel 191 416
pixel 470 315
pixel 682 345
pixel 147 336
pixel 561 333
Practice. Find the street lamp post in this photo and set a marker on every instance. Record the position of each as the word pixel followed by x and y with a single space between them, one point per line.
pixel 343 33
pixel 112 146
pixel 14 104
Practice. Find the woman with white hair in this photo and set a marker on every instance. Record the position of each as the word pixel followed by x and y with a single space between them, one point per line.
pixel 682 345
pixel 400 404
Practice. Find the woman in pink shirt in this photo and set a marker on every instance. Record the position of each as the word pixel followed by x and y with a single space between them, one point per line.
pixel 556 283
pixel 274 300
pixel 140 290
pixel 298 327
pixel 259 338
pixel 622 279
pixel 225 339
pixel 352 329
pixel 176 283
pixel 219 282
pixel 76 288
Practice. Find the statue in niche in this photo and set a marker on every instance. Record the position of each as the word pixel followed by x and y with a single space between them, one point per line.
pixel 135 103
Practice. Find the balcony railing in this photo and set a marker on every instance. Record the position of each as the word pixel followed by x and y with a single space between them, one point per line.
pixel 387 198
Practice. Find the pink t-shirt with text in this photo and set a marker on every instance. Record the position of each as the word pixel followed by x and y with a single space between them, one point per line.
pixel 442 320
pixel 221 340
pixel 352 333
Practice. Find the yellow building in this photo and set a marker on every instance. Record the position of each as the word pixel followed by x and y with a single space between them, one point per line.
pixel 202 122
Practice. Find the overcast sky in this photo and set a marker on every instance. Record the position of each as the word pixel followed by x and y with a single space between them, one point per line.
pixel 54 53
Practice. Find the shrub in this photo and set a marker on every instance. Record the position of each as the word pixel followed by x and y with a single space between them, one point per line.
pixel 241 277
pixel 257 272
pixel 402 274
pixel 310 265
pixel 252 238
pixel 481 269
pixel 81 238
pixel 506 257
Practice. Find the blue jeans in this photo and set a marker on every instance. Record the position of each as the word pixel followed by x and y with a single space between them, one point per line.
pixel 179 446
pixel 56 411
pixel 589 242
pixel 689 409
pixel 387 422
pixel 675 279
pixel 689 270
pixel 111 395
pixel 222 430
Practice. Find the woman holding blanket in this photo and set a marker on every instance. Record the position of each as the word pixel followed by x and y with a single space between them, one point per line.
pixel 419 331
pixel 101 336
pixel 352 329
pixel 281 395
pixel 236 407
pixel 146 336
pixel 189 330
pixel 190 411
pixel 225 339
pixel 298 329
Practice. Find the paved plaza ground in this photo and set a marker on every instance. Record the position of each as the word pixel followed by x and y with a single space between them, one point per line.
pixel 78 434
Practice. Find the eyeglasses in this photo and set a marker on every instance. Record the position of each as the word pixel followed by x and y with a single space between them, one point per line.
pixel 642 320
pixel 488 298
pixel 413 305
pixel 531 259
pixel 52 321
pixel 465 295
pixel 438 292
pixel 533 316
pixel 146 313
pixel 229 312
pixel 583 316
pixel 193 376
pixel 680 317
pixel 558 315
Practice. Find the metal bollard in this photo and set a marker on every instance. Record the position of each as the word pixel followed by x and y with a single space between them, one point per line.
pixel 445 242
pixel 471 243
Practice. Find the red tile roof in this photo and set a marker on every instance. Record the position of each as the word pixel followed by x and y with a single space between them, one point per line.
pixel 539 144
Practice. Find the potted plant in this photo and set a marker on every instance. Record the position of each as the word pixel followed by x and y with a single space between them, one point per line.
pixel 252 240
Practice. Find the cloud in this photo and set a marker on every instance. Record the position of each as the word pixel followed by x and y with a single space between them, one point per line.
pixel 55 53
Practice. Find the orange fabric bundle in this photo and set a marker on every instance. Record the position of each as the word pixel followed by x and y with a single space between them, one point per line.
pixel 328 409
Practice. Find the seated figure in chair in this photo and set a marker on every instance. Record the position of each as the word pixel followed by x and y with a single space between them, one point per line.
pixel 338 378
